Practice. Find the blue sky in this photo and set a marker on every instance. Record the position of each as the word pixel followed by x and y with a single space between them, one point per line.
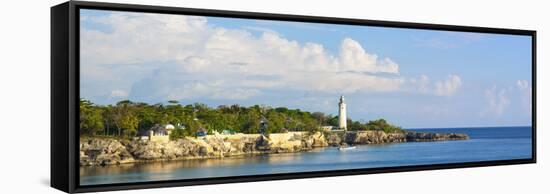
pixel 413 78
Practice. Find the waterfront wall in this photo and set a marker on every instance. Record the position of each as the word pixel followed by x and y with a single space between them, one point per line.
pixel 101 151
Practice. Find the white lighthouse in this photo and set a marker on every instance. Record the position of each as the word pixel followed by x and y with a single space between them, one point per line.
pixel 342 118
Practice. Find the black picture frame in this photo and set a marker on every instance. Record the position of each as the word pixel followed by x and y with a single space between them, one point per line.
pixel 65 94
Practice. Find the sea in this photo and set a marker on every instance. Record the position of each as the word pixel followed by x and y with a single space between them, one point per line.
pixel 485 144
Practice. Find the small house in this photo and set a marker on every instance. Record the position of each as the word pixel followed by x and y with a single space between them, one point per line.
pixel 328 128
pixel 160 133
pixel 201 132
pixel 228 132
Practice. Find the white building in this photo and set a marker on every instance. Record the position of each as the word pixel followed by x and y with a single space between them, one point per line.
pixel 328 128
pixel 160 133
pixel 342 118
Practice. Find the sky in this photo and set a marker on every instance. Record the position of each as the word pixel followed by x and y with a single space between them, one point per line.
pixel 412 78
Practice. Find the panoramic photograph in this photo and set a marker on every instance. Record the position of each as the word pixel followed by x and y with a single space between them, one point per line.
pixel 181 97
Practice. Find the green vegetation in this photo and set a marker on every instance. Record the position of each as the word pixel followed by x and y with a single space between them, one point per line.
pixel 127 119
pixel 379 125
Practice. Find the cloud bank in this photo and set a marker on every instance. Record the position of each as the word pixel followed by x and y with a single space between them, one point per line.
pixel 447 87
pixel 499 100
pixel 156 57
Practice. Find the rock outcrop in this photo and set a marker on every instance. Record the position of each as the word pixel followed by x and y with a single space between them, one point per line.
pixel 103 152
pixel 97 151
pixel 417 136
pixel 110 151
pixel 373 137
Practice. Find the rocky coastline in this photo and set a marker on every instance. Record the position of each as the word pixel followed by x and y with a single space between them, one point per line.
pixel 104 151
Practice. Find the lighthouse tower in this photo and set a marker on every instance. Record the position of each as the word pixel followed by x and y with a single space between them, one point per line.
pixel 342 118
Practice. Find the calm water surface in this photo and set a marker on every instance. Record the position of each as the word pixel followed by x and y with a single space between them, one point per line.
pixel 497 143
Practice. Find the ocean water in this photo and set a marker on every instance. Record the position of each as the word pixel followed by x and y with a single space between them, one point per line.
pixel 485 144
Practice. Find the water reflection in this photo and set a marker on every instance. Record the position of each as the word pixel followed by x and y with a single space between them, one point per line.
pixel 165 170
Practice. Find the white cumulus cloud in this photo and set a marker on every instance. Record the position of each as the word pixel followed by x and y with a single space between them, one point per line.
pixel 163 57
pixel 448 87
pixel 498 101
pixel 526 93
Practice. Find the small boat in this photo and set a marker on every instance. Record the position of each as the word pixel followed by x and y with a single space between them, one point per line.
pixel 344 148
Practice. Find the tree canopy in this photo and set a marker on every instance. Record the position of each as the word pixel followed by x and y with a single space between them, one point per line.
pixel 127 118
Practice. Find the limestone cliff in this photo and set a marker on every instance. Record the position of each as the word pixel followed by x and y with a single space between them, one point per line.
pixel 97 151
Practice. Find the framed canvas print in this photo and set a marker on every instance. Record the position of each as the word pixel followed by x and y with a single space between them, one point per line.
pixel 149 96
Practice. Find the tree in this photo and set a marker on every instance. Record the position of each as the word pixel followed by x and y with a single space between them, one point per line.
pixel 383 125
pixel 250 122
pixel 108 112
pixel 291 123
pixel 192 125
pixel 129 122
pixel 148 116
pixel 333 121
pixel 310 124
pixel 321 118
pixel 123 118
pixel 177 134
pixel 91 118
pixel 127 118
pixel 357 126
pixel 276 121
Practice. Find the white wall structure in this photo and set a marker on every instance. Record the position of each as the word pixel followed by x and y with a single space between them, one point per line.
pixel 342 117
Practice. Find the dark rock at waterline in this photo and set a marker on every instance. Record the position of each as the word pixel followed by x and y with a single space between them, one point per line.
pixel 372 137
pixel 418 136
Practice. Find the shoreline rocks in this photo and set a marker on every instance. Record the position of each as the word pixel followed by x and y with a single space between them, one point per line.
pixel 101 151
pixel 104 152
pixel 417 136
